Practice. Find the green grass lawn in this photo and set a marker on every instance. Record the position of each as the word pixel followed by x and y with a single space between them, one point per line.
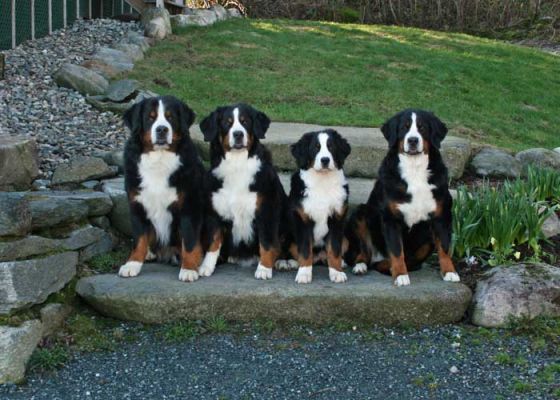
pixel 346 74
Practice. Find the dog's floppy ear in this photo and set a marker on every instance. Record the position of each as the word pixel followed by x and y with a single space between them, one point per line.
pixel 342 146
pixel 260 124
pixel 209 125
pixel 300 150
pixel 390 129
pixel 438 130
pixel 133 117
pixel 186 116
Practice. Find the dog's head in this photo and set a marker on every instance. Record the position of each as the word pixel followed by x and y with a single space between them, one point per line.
pixel 235 128
pixel 323 151
pixel 159 123
pixel 414 131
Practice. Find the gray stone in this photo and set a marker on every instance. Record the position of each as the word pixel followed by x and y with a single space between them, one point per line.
pixel 15 214
pixel 539 157
pixel 234 13
pixel 522 290
pixel 25 283
pixel 199 17
pixel 123 90
pixel 138 39
pixel 557 149
pixel 81 169
pixel 117 60
pixel 89 240
pixel 156 22
pixel 551 226
pixel 41 184
pixel 97 203
pixel 157 296
pixel 16 346
pixel 91 185
pixel 115 158
pixel 491 162
pixel 105 70
pixel 120 214
pixel 101 222
pixel 52 318
pixel 220 11
pixel 369 147
pixel 134 51
pixel 81 79
pixel 18 162
pixel 103 104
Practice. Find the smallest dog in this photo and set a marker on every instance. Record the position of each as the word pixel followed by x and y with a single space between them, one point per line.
pixel 318 202
pixel 408 213
pixel 163 180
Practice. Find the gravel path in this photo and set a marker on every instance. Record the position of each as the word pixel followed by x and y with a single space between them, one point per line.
pixel 440 363
pixel 59 119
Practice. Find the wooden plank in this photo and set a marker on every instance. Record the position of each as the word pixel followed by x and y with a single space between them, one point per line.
pixel 138 5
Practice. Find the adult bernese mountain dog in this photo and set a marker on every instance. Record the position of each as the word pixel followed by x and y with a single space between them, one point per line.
pixel 163 180
pixel 246 197
pixel 318 203
pixel 408 213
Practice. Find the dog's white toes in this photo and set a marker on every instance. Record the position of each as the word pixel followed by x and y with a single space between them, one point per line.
pixel 360 269
pixel 188 275
pixel 232 260
pixel 263 272
pixel 293 265
pixel 402 280
pixel 130 269
pixel 451 277
pixel 281 265
pixel 209 263
pixel 304 274
pixel 337 276
pixel 206 269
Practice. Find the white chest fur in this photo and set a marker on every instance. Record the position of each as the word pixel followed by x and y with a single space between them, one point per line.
pixel 234 201
pixel 324 195
pixel 414 171
pixel 155 194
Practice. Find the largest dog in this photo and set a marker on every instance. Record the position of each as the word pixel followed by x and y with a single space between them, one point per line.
pixel 247 199
pixel 164 183
pixel 408 213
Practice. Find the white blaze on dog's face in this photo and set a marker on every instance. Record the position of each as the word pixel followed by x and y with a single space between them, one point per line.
pixel 161 130
pixel 237 134
pixel 413 141
pixel 324 160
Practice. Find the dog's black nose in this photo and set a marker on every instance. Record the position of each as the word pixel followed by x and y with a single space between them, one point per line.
pixel 325 161
pixel 413 141
pixel 162 130
pixel 238 135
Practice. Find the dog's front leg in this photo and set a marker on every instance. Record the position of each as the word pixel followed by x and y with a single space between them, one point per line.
pixel 442 228
pixel 334 248
pixel 393 240
pixel 141 228
pixel 191 249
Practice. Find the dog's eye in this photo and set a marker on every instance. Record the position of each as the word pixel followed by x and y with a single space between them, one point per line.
pixel 230 121
pixel 244 122
pixel 318 146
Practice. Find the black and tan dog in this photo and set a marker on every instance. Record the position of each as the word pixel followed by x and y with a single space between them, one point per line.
pixel 318 202
pixel 164 183
pixel 408 213
pixel 246 200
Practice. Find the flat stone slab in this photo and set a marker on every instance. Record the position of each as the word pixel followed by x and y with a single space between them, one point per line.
pixel 368 148
pixel 157 296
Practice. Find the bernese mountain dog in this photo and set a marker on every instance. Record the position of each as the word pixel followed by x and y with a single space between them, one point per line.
pixel 246 197
pixel 318 203
pixel 408 213
pixel 163 180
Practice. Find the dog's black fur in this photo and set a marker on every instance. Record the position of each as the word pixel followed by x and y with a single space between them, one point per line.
pixel 378 228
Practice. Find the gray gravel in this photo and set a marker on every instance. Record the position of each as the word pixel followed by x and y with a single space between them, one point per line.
pixel 59 119
pixel 440 363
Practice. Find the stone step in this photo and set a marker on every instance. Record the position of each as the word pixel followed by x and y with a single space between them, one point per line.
pixel 157 296
pixel 368 148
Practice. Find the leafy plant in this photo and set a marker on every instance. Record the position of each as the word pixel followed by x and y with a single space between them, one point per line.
pixel 48 359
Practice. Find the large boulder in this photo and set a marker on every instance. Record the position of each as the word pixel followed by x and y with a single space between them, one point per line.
pixel 156 22
pixel 199 17
pixel 234 13
pixel 52 317
pixel 490 162
pixel 81 169
pixel 105 70
pixel 539 157
pixel 18 162
pixel 122 90
pixel 522 290
pixel 16 346
pixel 117 60
pixel 120 214
pixel 15 214
pixel 551 226
pixel 220 11
pixel 81 79
pixel 139 40
pixel 133 50
pixel 25 283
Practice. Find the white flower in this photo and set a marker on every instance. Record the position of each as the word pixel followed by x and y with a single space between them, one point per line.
pixel 517 255
pixel 493 241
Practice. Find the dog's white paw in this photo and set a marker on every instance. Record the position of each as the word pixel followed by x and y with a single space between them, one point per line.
pixel 304 274
pixel 402 280
pixel 188 275
pixel 451 277
pixel 360 269
pixel 130 269
pixel 206 269
pixel 337 276
pixel 286 265
pixel 209 263
pixel 150 256
pixel 263 272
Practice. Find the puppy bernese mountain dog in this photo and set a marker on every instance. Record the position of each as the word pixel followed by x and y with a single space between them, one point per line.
pixel 163 180
pixel 408 213
pixel 246 197
pixel 318 202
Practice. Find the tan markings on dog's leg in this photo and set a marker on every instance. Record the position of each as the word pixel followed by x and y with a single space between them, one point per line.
pixel 333 260
pixel 398 266
pixel 268 256
pixel 445 262
pixel 140 251
pixel 217 241
pixel 191 259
